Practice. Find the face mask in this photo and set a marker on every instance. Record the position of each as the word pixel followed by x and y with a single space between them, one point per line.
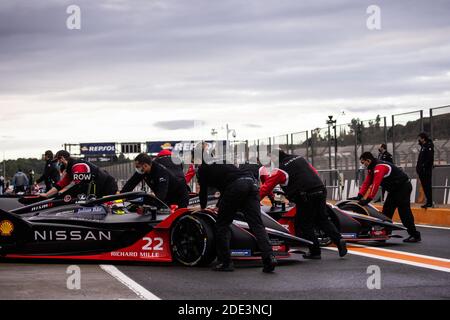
pixel 140 170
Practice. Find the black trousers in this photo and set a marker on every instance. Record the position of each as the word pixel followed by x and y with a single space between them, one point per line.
pixel 312 214
pixel 18 189
pixel 242 195
pixel 425 177
pixel 400 199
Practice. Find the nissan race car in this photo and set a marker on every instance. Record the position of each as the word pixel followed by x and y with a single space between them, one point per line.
pixel 356 223
pixel 133 226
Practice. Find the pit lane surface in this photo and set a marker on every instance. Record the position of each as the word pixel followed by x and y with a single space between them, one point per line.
pixel 329 278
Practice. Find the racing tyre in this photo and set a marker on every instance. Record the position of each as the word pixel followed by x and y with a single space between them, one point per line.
pixel 192 241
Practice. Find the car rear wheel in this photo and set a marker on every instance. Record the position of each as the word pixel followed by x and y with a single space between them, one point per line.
pixel 192 241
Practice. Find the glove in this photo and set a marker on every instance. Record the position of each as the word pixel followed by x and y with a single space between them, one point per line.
pixel 364 202
pixel 357 198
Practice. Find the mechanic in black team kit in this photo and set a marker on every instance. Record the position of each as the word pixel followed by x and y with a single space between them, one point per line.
pixel 163 183
pixel 424 168
pixel 51 173
pixel 303 186
pixel 82 177
pixel 397 184
pixel 239 191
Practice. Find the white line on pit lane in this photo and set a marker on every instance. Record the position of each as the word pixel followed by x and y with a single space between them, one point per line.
pixel 426 226
pixel 415 264
pixel 128 282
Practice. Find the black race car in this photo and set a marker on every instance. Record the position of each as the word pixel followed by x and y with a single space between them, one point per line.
pixel 128 227
pixel 356 223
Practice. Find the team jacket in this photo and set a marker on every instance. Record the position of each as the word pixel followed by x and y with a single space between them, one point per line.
pixel 385 156
pixel 218 176
pixel 165 158
pixel 385 174
pixel 50 175
pixel 426 157
pixel 190 174
pixel 295 175
pixel 79 171
pixel 161 181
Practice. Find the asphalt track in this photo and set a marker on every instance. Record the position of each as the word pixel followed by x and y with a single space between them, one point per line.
pixel 408 271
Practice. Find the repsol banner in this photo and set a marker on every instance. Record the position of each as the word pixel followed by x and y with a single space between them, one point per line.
pixel 97 148
pixel 177 146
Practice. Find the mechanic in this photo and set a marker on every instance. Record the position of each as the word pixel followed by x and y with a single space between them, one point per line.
pixel 163 183
pixel 397 184
pixel 303 186
pixel 239 190
pixel 384 155
pixel 2 185
pixel 259 172
pixel 424 167
pixel 82 177
pixel 165 157
pixel 51 173
pixel 20 181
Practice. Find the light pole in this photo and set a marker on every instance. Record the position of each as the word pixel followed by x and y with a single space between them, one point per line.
pixel 233 131
pixel 331 122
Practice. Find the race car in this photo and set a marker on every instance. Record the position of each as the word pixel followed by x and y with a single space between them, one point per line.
pixel 356 223
pixel 132 226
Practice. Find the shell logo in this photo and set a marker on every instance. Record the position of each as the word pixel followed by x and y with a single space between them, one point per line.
pixel 6 228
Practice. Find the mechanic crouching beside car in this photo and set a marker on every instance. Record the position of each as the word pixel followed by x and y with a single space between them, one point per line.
pixel 303 186
pixel 82 177
pixel 163 183
pixel 239 191
pixel 398 185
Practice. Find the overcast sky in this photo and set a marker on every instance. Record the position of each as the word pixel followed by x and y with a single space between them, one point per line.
pixel 146 69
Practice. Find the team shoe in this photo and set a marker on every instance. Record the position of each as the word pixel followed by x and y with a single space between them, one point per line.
pixel 269 264
pixel 225 267
pixel 342 248
pixel 311 256
pixel 412 239
pixel 427 205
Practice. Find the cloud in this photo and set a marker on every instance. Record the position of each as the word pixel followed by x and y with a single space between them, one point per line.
pixel 178 124
pixel 138 69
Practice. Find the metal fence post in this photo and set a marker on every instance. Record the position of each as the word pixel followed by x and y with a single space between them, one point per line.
pixel 431 124
pixel 421 121
pixel 393 139
pixel 312 148
pixel 307 147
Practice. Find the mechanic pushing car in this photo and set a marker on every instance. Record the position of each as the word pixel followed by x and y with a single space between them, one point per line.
pixel 303 186
pixel 239 191
pixel 163 183
pixel 82 177
pixel 173 164
pixel 398 185
pixel 259 172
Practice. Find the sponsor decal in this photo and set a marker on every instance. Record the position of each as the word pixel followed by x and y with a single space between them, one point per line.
pixel 72 235
pixel 166 146
pixel 67 198
pixel 241 253
pixel 6 228
pixel 91 210
pixel 98 148
pixel 82 176
pixel 349 235
pixel 42 207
